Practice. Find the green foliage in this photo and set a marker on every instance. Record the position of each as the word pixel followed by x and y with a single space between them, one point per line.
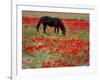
pixel 70 59
pixel 39 56
pixel 84 36
pixel 28 33
pixel 82 19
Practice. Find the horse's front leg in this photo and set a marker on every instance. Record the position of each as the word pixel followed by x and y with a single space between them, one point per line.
pixel 44 28
pixel 57 29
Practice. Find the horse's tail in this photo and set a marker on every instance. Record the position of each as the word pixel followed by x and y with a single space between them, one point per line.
pixel 38 25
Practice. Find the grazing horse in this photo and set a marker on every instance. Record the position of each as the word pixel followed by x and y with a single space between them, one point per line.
pixel 52 22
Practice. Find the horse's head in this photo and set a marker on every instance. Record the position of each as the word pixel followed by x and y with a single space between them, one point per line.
pixel 63 29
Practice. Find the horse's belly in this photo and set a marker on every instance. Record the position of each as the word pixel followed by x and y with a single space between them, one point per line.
pixel 51 24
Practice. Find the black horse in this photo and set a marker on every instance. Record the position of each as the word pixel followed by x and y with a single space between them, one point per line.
pixel 52 22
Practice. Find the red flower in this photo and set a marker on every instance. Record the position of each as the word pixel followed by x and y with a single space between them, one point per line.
pixel 46 64
pixel 75 50
pixel 39 47
pixel 29 49
pixel 86 59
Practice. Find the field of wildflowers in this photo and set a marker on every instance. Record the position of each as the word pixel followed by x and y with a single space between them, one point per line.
pixel 41 50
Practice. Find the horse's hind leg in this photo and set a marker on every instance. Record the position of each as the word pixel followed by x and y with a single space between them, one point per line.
pixel 38 25
pixel 38 28
pixel 44 28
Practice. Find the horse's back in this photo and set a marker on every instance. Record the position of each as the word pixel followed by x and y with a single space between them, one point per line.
pixel 49 20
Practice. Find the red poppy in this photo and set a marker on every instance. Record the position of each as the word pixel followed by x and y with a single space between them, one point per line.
pixel 46 64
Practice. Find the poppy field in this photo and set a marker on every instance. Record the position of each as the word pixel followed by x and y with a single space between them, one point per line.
pixel 52 49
